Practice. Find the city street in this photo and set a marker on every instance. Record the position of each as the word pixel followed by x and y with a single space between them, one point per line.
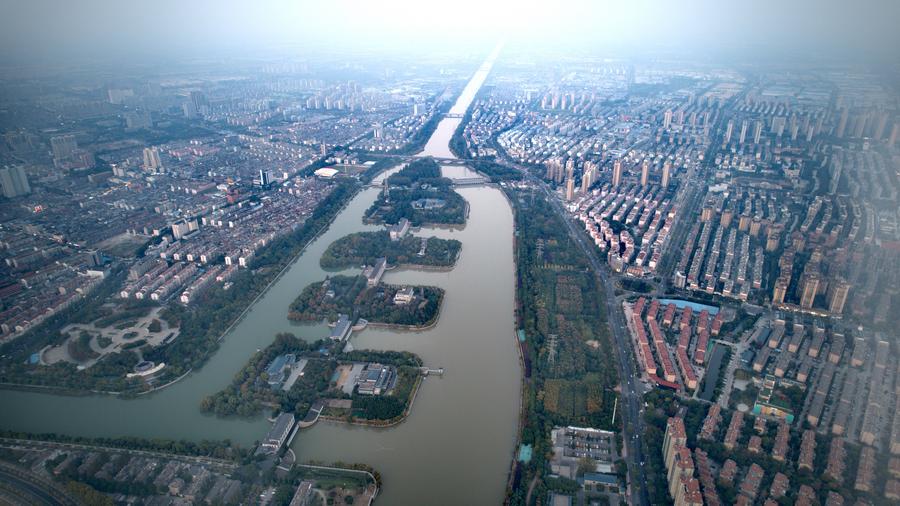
pixel 632 389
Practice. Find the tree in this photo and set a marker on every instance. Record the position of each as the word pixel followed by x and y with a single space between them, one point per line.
pixel 586 465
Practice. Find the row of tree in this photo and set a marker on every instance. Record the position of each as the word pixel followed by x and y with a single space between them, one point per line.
pixel 565 301
pixel 224 449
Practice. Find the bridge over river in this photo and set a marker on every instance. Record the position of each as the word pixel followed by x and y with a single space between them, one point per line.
pixel 467 417
pixel 439 159
pixel 457 169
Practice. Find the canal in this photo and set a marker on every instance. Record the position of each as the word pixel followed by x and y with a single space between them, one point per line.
pixel 456 446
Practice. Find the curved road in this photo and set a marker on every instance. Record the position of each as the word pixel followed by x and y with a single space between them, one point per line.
pixel 25 488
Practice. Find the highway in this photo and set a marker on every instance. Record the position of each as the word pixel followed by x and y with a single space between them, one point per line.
pixel 632 389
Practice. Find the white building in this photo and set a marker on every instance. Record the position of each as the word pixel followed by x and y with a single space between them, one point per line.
pixel 404 296
pixel 399 230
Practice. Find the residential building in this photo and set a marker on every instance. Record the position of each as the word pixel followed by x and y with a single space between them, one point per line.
pixel 14 181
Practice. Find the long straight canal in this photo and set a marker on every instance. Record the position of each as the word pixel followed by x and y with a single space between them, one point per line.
pixel 456 445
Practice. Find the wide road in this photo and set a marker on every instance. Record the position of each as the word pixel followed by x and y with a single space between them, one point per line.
pixel 632 389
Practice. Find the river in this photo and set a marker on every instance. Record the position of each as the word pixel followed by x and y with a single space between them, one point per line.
pixel 456 445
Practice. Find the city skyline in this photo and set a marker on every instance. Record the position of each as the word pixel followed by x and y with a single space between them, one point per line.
pixel 153 30
pixel 293 253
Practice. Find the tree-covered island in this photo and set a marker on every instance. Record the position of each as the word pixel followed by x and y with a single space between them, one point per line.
pixel 420 194
pixel 313 379
pixel 366 247
pixel 410 306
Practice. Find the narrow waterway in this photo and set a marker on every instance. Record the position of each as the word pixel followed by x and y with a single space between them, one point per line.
pixel 455 447
pixel 462 426
pixel 438 144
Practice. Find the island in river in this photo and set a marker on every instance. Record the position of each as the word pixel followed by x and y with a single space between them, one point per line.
pixel 367 247
pixel 420 194
pixel 313 379
pixel 400 306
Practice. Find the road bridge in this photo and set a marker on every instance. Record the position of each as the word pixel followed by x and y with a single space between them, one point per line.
pixel 412 158
pixel 470 181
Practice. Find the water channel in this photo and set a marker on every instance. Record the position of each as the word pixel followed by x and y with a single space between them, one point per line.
pixel 455 447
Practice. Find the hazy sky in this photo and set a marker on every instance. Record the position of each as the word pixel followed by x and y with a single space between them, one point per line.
pixel 44 29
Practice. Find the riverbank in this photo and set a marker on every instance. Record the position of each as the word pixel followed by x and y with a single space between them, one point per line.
pixel 381 424
pixel 140 390
pixel 407 328
pixel 410 328
pixel 580 386
pixel 365 248
pixel 421 194
pixel 469 416
pixel 412 306
pixel 422 268
pixel 290 264
pixel 520 352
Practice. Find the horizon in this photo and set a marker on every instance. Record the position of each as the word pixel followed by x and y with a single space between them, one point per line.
pixel 47 31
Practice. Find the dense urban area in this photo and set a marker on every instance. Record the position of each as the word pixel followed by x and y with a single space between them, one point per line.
pixel 703 274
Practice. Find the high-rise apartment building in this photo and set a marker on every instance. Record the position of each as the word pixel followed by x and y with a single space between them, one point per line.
pixel 837 295
pixel 199 101
pixel 152 162
pixel 585 182
pixel 809 287
pixel 778 125
pixel 63 146
pixel 780 290
pixel 617 173
pixel 842 122
pixel 14 181
pixel 675 436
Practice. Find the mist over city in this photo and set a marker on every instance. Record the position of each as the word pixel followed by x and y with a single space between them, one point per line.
pixel 527 253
